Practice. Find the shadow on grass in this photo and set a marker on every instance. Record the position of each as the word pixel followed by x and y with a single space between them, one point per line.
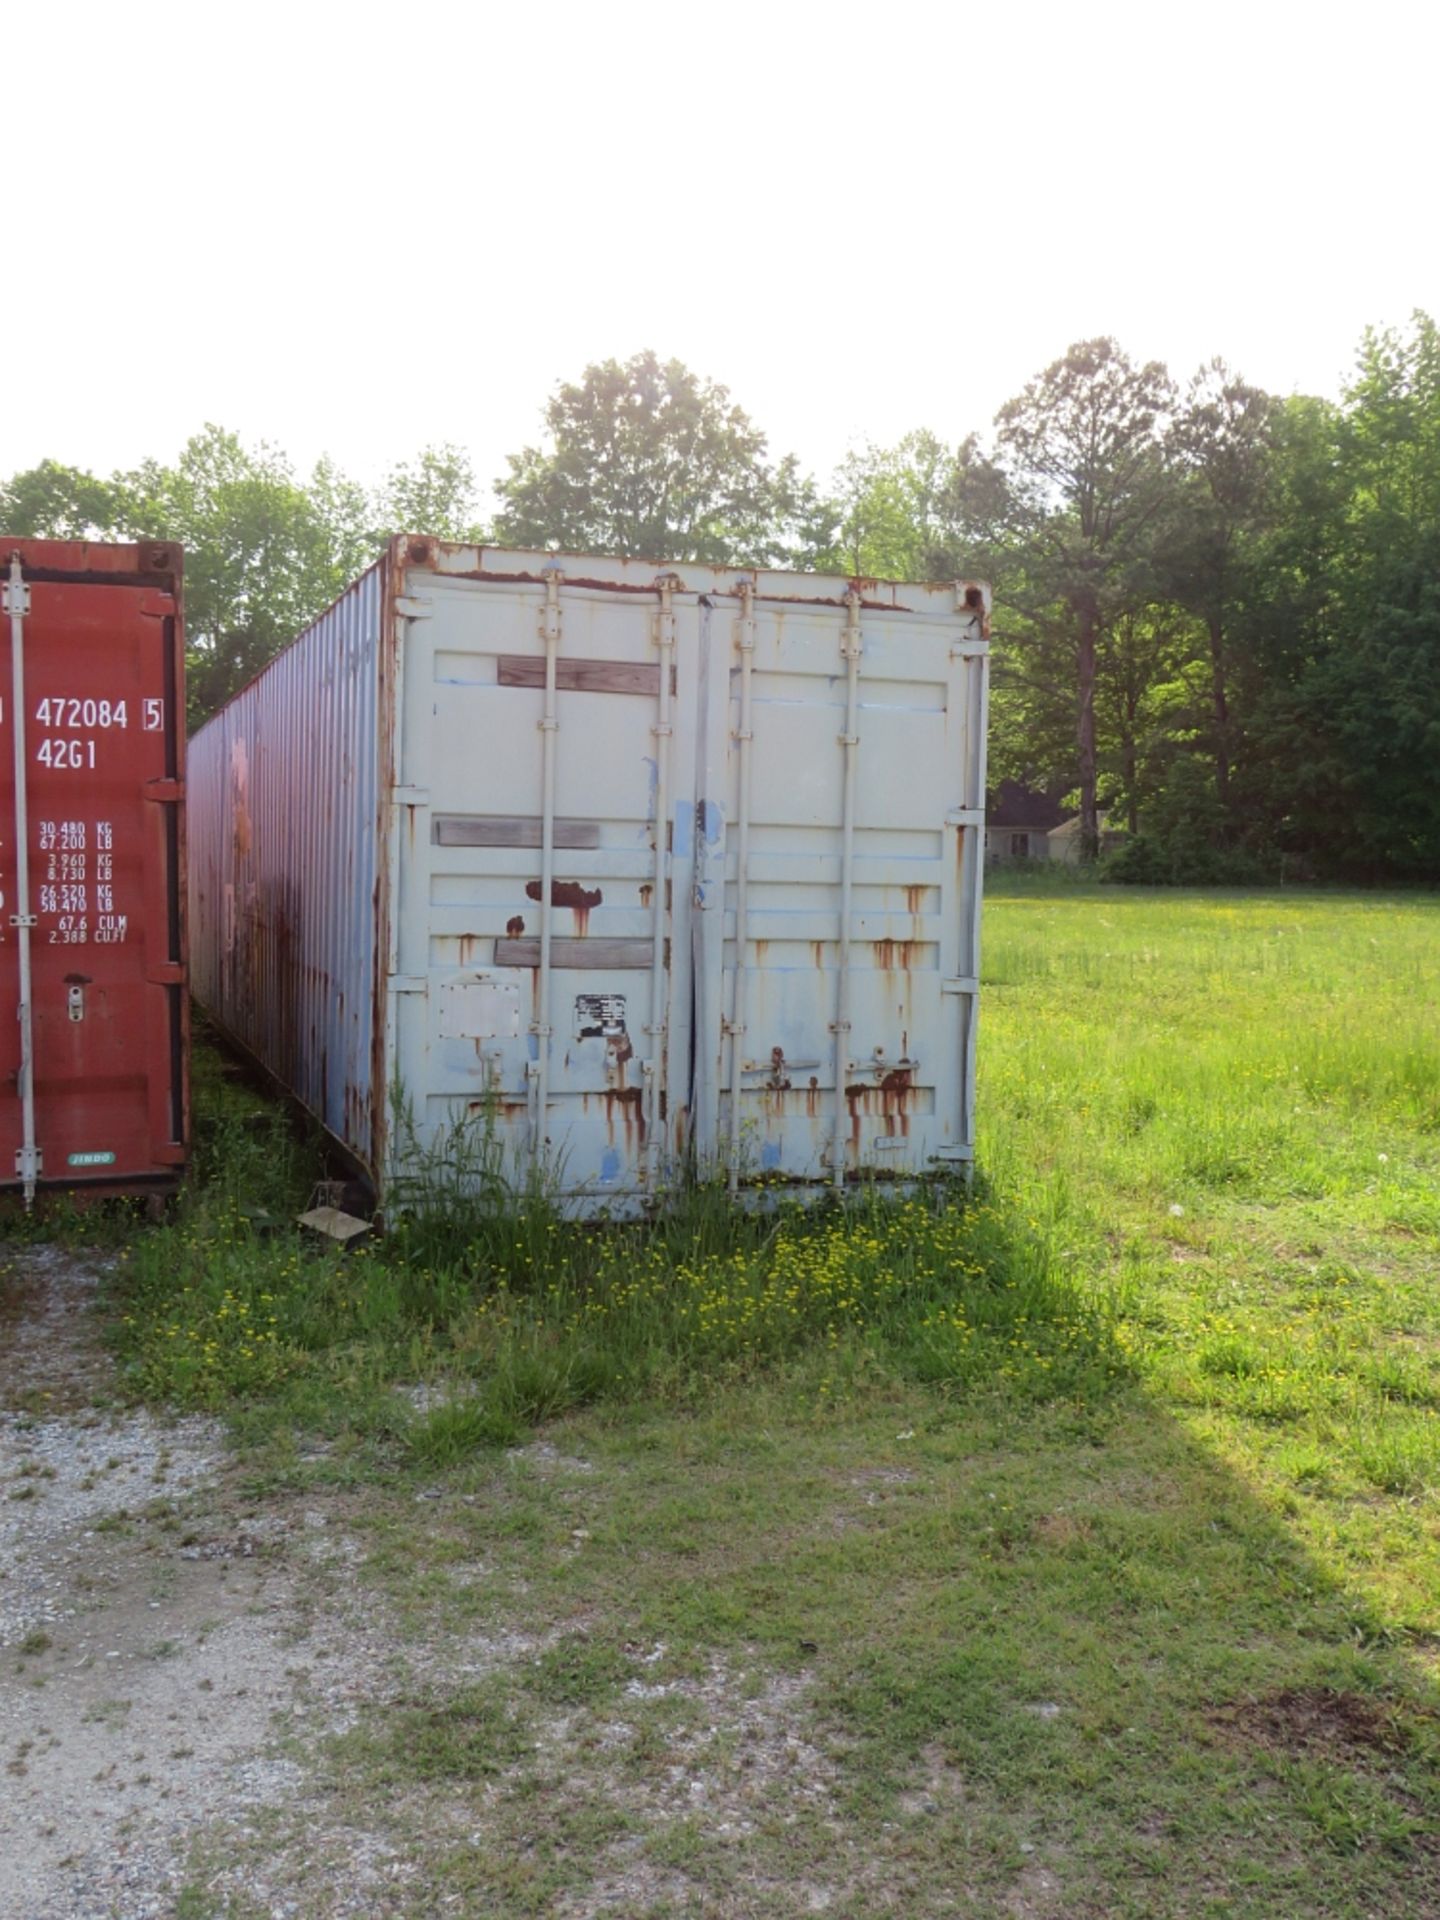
pixel 1049 1653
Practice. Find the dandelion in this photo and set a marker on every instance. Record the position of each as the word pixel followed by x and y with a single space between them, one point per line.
pixel 1177 1212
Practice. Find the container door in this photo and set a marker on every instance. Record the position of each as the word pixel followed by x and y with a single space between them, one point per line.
pixel 100 732
pixel 847 954
pixel 471 1000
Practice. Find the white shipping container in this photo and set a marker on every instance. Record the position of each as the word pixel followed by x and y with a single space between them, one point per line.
pixel 428 886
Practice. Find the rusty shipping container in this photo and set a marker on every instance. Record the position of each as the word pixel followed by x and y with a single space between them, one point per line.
pixel 648 872
pixel 94 1015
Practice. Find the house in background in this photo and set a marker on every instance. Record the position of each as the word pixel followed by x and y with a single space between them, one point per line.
pixel 1065 839
pixel 1019 821
pixel 1022 823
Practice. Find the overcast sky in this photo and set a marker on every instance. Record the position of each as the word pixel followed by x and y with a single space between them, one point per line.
pixel 358 231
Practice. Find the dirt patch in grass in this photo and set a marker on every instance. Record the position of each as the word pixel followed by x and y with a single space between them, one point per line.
pixel 1315 1723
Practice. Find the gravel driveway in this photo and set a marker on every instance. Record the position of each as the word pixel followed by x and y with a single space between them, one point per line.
pixel 149 1633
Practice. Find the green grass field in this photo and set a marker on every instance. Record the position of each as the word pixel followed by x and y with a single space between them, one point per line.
pixel 1083 1545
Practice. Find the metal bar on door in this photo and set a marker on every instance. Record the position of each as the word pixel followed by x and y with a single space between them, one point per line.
pixel 549 727
pixel 17 605
pixel 663 633
pixel 851 646
pixel 744 734
pixel 979 672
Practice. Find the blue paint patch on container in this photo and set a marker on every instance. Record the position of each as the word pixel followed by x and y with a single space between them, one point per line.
pixel 770 1153
pixel 712 820
pixel 610 1165
pixel 532 1042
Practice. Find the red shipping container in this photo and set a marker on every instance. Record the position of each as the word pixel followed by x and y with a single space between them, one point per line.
pixel 94 1014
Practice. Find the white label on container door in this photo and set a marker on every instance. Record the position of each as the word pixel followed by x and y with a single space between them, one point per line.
pixel 599 1016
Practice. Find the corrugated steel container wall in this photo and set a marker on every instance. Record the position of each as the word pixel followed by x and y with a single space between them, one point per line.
pixel 284 865
pixel 93 913
pixel 815 751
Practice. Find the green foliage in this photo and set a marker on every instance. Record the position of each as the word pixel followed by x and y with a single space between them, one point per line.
pixel 1366 714
pixel 542 1315
pixel 263 552
pixel 435 494
pixel 56 502
pixel 900 512
pixel 1081 450
pixel 1208 575
pixel 1186 841
pixel 648 459
pixel 265 548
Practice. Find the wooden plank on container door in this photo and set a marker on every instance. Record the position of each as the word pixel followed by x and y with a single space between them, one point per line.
pixel 584 676
pixel 595 954
pixel 509 830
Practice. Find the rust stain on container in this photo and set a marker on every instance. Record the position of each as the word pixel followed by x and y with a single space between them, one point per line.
pixel 893 954
pixel 630 1102
pixel 895 1091
pixel 569 893
pixel 893 1095
pixel 853 1098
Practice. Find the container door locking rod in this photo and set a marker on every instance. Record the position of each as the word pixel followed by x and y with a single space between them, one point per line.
pixel 745 735
pixel 851 648
pixel 540 1026
pixel 17 605
pixel 662 634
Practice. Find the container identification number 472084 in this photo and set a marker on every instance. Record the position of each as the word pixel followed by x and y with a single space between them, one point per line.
pixel 77 755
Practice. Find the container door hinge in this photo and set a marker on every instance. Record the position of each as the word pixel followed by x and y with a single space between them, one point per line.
pixel 953 1154
pixel 965 817
pixel 408 983
pixel 414 606
pixel 967 983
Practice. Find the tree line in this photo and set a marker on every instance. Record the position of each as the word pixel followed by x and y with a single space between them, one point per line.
pixel 1217 610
